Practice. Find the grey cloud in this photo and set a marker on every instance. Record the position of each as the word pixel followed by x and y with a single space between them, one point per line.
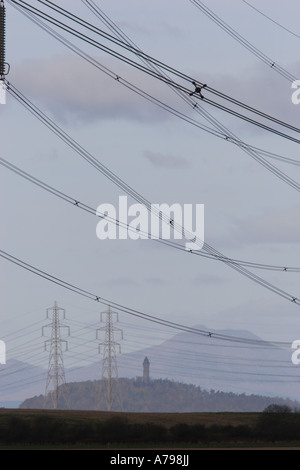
pixel 208 279
pixel 121 282
pixel 166 161
pixel 274 226
pixel 75 91
pixel 156 281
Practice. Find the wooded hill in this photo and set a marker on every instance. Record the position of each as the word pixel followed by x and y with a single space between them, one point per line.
pixel 159 395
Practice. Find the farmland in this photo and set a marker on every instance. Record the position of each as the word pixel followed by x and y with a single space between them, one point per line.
pixel 58 429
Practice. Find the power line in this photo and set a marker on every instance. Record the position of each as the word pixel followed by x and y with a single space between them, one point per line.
pixel 161 65
pixel 95 212
pixel 153 72
pixel 293 299
pixel 125 43
pixel 271 19
pixel 189 354
pixel 131 192
pixel 130 311
pixel 116 30
pixel 241 40
pixel 220 256
pixel 120 79
pixel 224 134
pixel 231 260
pixel 221 132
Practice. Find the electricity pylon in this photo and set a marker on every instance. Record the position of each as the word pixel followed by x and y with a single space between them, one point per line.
pixel 109 389
pixel 56 371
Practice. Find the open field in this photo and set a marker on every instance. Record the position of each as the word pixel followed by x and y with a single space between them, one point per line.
pixel 164 419
pixel 67 429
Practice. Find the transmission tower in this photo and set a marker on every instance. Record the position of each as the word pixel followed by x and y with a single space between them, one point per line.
pixel 109 389
pixel 56 372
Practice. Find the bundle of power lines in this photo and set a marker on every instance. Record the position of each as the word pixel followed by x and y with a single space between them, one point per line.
pixel 194 92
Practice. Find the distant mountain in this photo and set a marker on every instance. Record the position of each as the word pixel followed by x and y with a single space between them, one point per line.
pixel 19 380
pixel 225 365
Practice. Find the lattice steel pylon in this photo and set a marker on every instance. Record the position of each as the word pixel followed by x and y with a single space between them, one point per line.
pixel 56 371
pixel 109 389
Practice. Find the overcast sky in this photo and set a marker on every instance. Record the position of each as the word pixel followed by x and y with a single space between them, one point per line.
pixel 250 214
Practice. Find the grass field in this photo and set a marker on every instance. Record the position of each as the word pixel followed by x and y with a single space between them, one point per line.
pixel 164 419
pixel 82 418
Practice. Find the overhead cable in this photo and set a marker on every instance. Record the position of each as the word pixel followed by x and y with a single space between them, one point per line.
pixel 141 199
pixel 95 212
pixel 241 40
pixel 150 71
pixel 222 132
pixel 271 19
pixel 137 313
